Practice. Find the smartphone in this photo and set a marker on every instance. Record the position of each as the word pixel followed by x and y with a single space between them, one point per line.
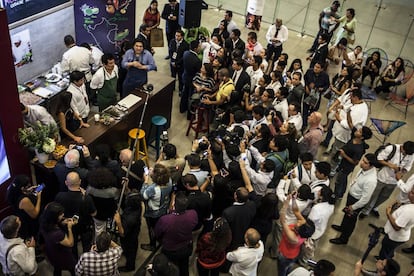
pixel 146 170
pixel 79 147
pixel 224 172
pixel 75 218
pixel 39 188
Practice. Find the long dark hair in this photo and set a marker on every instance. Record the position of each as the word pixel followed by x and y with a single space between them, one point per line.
pixel 14 191
pixel 101 178
pixel 64 102
pixel 50 217
pixel 221 235
pixel 399 69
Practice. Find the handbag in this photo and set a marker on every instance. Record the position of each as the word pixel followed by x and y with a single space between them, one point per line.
pixel 313 98
pixel 327 94
pixel 157 37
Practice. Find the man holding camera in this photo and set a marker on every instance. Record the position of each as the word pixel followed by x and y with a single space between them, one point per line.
pixel 17 256
pixel 102 259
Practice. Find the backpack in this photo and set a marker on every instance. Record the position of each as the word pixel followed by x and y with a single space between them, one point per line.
pixel 389 157
pixel 287 166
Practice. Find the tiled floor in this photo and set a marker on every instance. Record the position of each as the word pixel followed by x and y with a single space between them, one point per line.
pixel 343 256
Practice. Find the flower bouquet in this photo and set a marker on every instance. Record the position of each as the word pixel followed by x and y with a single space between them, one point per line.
pixel 40 137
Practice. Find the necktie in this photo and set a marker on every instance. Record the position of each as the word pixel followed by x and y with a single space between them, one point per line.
pixel 277 32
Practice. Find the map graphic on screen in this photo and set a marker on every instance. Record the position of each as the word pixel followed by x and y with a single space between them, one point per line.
pixel 4 163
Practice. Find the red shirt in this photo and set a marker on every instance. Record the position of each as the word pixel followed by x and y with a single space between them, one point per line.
pixel 289 250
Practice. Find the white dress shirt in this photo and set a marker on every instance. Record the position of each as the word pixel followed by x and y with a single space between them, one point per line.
pixel 282 35
pixel 283 107
pixel 77 58
pixel 359 116
pixel 245 260
pixel 254 76
pixel 362 187
pixel 297 121
pixel 21 259
pixel 386 174
pixel 405 188
pixel 101 76
pixel 320 214
pixel 37 113
pixel 404 218
pixel 79 102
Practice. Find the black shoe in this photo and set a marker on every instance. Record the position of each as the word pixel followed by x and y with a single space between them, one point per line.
pixel 377 257
pixel 362 216
pixel 375 213
pixel 336 227
pixel 338 241
pixel 147 247
pixel 126 269
pixel 167 57
pixel 408 250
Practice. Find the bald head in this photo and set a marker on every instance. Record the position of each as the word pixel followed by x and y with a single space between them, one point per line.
pixel 73 181
pixel 125 156
pixel 315 118
pixel 252 238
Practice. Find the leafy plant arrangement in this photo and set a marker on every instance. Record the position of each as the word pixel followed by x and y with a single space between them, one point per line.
pixel 40 137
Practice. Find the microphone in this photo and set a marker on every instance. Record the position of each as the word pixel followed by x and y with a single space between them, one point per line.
pixel 148 89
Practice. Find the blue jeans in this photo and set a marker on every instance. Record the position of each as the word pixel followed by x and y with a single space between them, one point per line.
pixel 284 265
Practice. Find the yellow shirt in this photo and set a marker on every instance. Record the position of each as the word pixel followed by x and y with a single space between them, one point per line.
pixel 225 90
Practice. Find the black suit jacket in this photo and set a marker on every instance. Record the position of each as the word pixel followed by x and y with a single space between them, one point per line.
pixel 320 55
pixel 170 25
pixel 172 48
pixel 239 218
pixel 191 65
pixel 242 81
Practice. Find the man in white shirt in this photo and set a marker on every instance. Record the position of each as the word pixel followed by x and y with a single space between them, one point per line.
pixel 231 25
pixel 254 71
pixel 253 47
pixel 360 191
pixel 280 102
pixel 76 58
pixel 246 258
pixel 345 120
pixel 36 113
pixel 79 102
pixel 276 35
pixel 294 116
pixel 401 161
pixel 105 82
pixel 303 173
pixel 17 256
pixel 398 227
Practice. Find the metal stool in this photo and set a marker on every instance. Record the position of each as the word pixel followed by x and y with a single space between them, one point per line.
pixel 141 149
pixel 199 121
pixel 160 123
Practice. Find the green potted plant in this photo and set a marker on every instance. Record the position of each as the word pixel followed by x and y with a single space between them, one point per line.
pixel 40 138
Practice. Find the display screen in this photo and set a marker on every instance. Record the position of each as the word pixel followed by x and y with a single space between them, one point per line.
pixel 4 162
pixel 20 9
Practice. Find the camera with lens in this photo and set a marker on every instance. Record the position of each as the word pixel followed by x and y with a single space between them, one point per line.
pixel 246 88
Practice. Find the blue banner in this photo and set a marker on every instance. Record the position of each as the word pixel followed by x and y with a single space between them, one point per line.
pixel 105 24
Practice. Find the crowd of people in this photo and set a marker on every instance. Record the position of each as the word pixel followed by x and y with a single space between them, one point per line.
pixel 252 185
